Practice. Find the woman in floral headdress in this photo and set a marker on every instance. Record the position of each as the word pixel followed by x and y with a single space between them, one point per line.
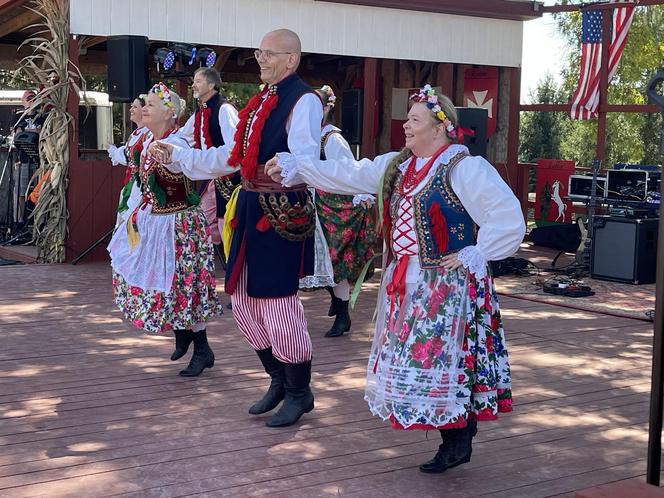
pixel 129 155
pixel 162 254
pixel 345 233
pixel 439 358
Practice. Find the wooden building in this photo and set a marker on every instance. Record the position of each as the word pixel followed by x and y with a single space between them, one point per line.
pixel 379 49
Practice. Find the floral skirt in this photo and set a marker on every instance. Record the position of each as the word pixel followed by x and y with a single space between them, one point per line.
pixel 192 298
pixel 439 357
pixel 350 234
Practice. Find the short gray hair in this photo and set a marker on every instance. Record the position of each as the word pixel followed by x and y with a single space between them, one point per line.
pixel 211 75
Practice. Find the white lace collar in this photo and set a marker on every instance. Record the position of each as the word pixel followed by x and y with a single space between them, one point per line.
pixel 444 158
pixel 329 127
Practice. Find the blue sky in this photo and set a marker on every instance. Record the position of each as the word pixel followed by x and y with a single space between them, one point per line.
pixel 543 50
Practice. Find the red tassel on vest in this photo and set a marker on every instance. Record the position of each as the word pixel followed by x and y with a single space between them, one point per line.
pixel 438 227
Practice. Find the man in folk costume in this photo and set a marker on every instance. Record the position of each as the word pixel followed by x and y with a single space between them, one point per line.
pixel 272 243
pixel 212 125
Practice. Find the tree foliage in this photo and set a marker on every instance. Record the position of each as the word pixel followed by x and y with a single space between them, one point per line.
pixel 631 137
pixel 541 132
pixel 14 80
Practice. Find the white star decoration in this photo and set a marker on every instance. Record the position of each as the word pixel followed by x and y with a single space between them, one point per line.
pixel 480 103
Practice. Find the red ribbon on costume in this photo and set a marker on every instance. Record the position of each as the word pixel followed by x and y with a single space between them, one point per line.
pixel 245 150
pixel 387 223
pixel 130 153
pixel 263 224
pixel 202 117
pixel 438 227
pixel 128 173
pixel 462 132
pixel 396 289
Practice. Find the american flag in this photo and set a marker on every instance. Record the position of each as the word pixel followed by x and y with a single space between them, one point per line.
pixel 586 96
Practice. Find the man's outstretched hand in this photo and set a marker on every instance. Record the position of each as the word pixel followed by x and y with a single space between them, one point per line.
pixel 162 152
pixel 273 170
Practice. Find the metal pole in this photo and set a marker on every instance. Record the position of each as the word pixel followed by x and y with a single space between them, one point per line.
pixel 600 150
pixel 656 393
pixel 656 402
pixel 93 246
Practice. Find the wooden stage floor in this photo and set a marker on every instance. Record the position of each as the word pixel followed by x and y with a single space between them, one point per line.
pixel 91 407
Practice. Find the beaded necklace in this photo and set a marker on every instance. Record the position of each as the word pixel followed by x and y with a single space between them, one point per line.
pixel 412 178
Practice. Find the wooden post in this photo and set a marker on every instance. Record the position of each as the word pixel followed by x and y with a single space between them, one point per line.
pixel 181 88
pixel 72 102
pixel 600 152
pixel 512 162
pixel 445 78
pixel 368 148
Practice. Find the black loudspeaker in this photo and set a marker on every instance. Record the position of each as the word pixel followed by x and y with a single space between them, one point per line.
pixel 127 67
pixel 352 107
pixel 624 249
pixel 477 120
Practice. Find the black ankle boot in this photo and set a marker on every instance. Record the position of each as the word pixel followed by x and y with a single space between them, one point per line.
pixel 182 340
pixel 456 449
pixel 341 321
pixel 276 391
pixel 333 301
pixel 436 462
pixel 202 358
pixel 299 399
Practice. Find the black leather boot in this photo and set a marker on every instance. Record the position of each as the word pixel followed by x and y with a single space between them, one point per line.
pixel 182 340
pixel 456 449
pixel 299 399
pixel 341 321
pixel 333 301
pixel 202 358
pixel 276 391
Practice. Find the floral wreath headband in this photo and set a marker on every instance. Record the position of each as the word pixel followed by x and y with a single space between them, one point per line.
pixel 329 93
pixel 162 91
pixel 428 96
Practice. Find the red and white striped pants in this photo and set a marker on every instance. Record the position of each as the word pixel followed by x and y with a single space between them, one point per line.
pixel 276 322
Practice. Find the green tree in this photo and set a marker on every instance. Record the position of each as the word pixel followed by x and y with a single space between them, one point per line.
pixel 14 80
pixel 631 137
pixel 541 132
pixel 239 93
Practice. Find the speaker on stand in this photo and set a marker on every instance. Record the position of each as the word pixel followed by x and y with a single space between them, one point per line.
pixel 127 78
pixel 624 249
pixel 127 67
pixel 475 119
pixel 352 107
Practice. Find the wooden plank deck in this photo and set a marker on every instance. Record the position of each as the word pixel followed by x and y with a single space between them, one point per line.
pixel 89 407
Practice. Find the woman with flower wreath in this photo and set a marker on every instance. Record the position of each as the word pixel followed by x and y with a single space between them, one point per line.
pixel 439 358
pixel 345 235
pixel 162 254
pixel 129 155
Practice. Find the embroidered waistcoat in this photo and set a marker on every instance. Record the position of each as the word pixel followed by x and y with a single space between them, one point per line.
pixel 168 192
pixel 442 225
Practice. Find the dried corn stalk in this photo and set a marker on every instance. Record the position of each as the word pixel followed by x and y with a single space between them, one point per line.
pixel 52 72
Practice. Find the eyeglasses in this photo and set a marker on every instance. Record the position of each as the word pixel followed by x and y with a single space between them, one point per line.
pixel 267 54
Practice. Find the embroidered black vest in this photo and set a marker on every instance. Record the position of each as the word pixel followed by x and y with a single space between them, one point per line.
pixel 215 104
pixel 275 137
